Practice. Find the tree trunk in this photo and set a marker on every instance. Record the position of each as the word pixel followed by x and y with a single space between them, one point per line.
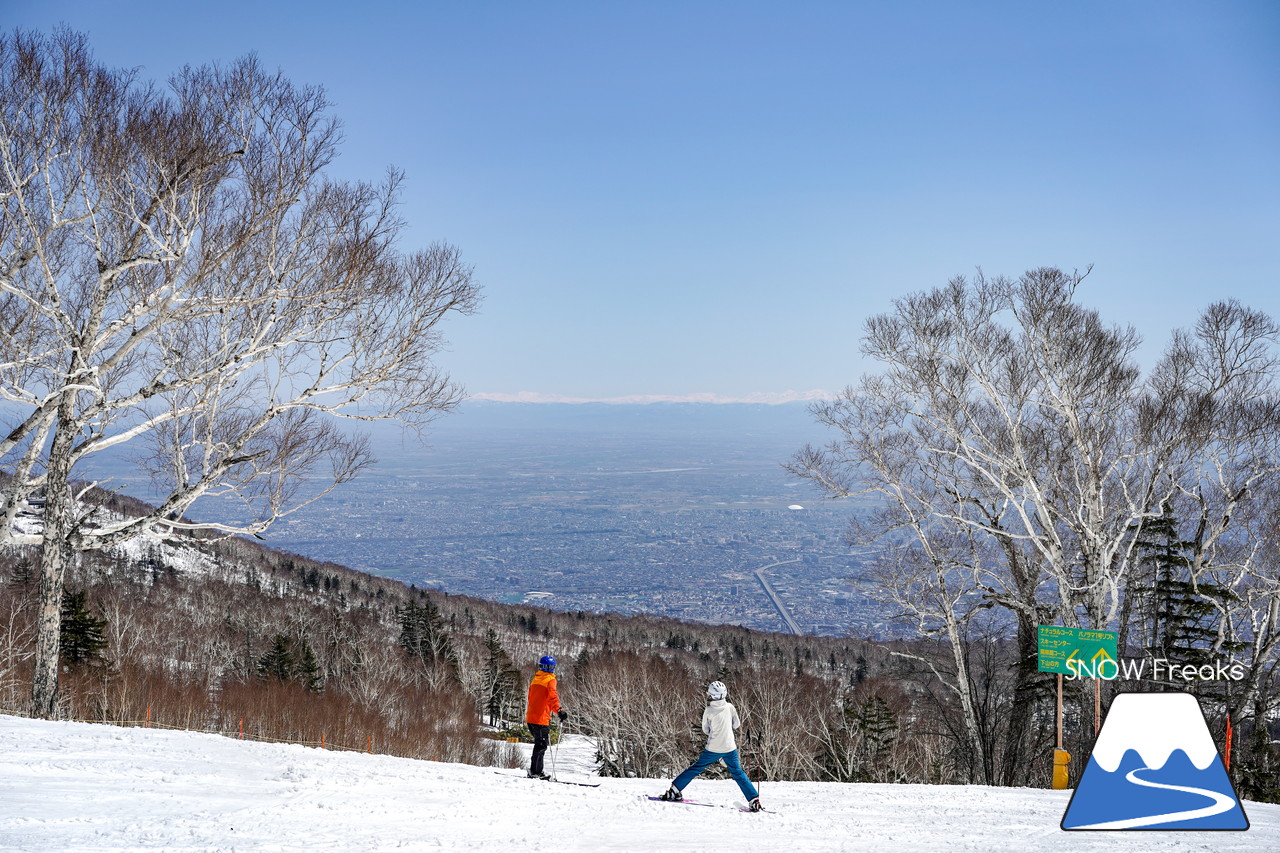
pixel 1026 692
pixel 964 684
pixel 56 554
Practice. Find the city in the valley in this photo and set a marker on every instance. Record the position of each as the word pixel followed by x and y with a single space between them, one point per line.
pixel 681 510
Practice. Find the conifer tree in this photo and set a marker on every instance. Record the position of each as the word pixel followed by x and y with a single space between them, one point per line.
pixel 1179 621
pixel 82 639
pixel 878 725
pixel 279 661
pixel 501 679
pixel 422 634
pixel 291 659
pixel 307 670
pixel 1259 773
pixel 859 743
pixel 23 573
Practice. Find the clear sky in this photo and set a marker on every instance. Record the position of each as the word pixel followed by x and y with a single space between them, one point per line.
pixel 672 198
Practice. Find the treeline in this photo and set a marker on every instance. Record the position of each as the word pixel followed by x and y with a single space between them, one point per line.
pixel 230 636
pixel 243 645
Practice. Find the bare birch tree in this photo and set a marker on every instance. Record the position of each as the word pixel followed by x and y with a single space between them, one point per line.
pixel 776 708
pixel 624 700
pixel 1231 534
pixel 178 273
pixel 1010 419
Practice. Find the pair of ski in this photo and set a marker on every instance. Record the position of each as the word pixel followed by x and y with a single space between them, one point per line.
pixel 557 781
pixel 655 799
pixel 708 805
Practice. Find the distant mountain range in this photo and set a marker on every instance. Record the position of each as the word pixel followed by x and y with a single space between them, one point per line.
pixel 770 398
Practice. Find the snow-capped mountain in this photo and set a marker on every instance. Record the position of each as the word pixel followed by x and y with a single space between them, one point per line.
pixel 1154 725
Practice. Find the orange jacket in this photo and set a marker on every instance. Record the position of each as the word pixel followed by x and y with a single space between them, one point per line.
pixel 543 699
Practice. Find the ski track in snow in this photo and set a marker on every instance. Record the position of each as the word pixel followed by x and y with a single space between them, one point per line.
pixel 1221 803
pixel 81 788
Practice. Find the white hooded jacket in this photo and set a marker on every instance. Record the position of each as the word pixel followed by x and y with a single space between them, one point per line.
pixel 718 722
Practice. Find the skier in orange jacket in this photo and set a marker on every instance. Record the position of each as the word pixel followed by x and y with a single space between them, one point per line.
pixel 543 702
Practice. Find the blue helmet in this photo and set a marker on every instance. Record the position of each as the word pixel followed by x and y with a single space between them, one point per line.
pixel 547 663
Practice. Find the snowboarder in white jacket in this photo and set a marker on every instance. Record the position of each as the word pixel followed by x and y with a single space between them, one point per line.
pixel 719 719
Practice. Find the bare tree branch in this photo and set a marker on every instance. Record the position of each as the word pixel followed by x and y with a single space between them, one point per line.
pixel 178 275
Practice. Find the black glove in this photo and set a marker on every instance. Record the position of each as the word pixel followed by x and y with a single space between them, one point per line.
pixel 563 715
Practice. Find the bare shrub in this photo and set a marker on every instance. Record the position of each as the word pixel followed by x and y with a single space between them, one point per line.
pixel 640 709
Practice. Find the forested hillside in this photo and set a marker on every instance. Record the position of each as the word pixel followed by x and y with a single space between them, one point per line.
pixel 229 636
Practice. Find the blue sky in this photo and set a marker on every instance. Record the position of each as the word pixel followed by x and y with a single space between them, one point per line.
pixel 682 198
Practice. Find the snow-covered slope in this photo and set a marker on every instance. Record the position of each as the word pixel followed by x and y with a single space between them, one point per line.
pixel 74 787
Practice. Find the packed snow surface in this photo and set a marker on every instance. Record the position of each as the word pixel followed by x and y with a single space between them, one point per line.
pixel 75 787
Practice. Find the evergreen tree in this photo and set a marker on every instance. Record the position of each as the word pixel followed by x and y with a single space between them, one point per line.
pixel 422 634
pixel 307 670
pixel 860 741
pixel 291 659
pixel 81 633
pixel 878 726
pixel 23 573
pixel 1179 621
pixel 1259 772
pixel 279 661
pixel 501 679
pixel 529 623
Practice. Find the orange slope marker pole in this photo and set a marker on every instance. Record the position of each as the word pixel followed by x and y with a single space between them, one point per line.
pixel 1227 758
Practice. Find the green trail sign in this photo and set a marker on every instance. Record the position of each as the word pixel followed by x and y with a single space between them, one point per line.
pixel 1071 651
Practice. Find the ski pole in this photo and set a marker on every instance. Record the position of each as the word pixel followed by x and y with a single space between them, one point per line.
pixel 555 751
pixel 751 734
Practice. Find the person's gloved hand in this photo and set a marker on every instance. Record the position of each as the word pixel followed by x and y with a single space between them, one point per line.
pixel 562 714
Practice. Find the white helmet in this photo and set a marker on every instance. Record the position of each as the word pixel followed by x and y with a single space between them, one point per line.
pixel 717 690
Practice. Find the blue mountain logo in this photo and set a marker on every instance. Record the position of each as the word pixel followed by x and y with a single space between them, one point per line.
pixel 1155 766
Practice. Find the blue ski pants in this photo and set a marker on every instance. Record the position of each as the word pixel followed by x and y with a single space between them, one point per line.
pixel 730 760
